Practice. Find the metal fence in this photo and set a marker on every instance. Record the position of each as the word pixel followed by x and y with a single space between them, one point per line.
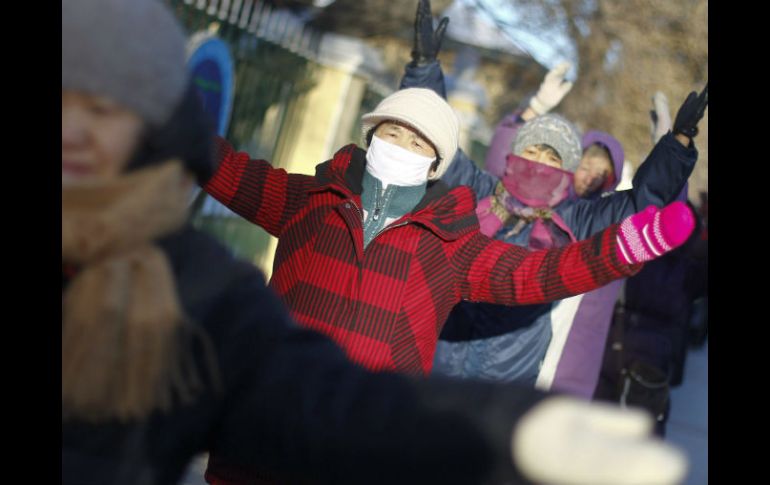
pixel 271 49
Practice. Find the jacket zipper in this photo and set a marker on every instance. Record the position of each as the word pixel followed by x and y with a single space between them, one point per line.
pixel 360 265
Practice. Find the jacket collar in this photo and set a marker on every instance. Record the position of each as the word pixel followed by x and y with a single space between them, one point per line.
pixel 449 213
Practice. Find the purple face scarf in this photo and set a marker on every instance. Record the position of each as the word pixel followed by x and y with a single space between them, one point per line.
pixel 528 191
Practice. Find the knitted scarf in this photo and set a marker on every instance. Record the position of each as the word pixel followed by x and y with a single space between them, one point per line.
pixel 125 342
pixel 526 194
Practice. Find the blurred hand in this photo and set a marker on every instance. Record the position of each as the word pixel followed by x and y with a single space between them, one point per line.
pixel 552 90
pixel 427 42
pixel 567 441
pixel 660 117
pixel 690 113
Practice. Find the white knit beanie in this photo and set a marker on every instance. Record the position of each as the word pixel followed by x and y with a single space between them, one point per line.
pixel 425 111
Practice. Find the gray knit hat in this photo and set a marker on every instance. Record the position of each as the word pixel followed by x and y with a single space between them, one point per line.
pixel 425 111
pixel 132 51
pixel 553 130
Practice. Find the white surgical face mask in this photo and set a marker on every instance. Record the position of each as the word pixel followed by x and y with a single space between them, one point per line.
pixel 392 164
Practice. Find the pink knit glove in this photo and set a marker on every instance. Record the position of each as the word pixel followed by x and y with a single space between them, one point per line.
pixel 652 233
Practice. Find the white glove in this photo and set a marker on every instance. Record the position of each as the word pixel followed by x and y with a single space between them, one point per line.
pixel 552 89
pixel 660 117
pixel 566 441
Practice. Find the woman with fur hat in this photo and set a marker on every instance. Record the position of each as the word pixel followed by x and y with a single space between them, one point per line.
pixel 171 347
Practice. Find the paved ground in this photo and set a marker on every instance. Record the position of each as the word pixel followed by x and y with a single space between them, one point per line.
pixel 688 423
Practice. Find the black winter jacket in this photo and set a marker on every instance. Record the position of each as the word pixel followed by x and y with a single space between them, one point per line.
pixel 292 403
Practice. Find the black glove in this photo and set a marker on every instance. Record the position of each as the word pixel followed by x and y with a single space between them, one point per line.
pixel 691 112
pixel 427 43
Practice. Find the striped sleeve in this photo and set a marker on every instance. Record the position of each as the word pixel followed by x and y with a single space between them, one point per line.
pixel 255 190
pixel 496 272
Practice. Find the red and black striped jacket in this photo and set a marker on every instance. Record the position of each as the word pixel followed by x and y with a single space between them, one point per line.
pixel 386 305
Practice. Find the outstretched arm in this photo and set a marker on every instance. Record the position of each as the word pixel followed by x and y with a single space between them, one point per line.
pixel 255 190
pixel 303 410
pixel 496 272
pixel 493 271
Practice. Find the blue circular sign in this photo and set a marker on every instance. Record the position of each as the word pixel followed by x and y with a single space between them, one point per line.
pixel 211 68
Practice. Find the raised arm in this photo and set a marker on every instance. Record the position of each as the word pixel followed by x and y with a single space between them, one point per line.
pixel 502 141
pixel 658 180
pixel 424 71
pixel 665 171
pixel 552 90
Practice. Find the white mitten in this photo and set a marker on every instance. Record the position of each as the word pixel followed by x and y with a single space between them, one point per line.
pixel 660 117
pixel 552 89
pixel 567 441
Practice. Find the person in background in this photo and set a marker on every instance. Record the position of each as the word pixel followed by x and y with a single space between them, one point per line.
pixel 655 316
